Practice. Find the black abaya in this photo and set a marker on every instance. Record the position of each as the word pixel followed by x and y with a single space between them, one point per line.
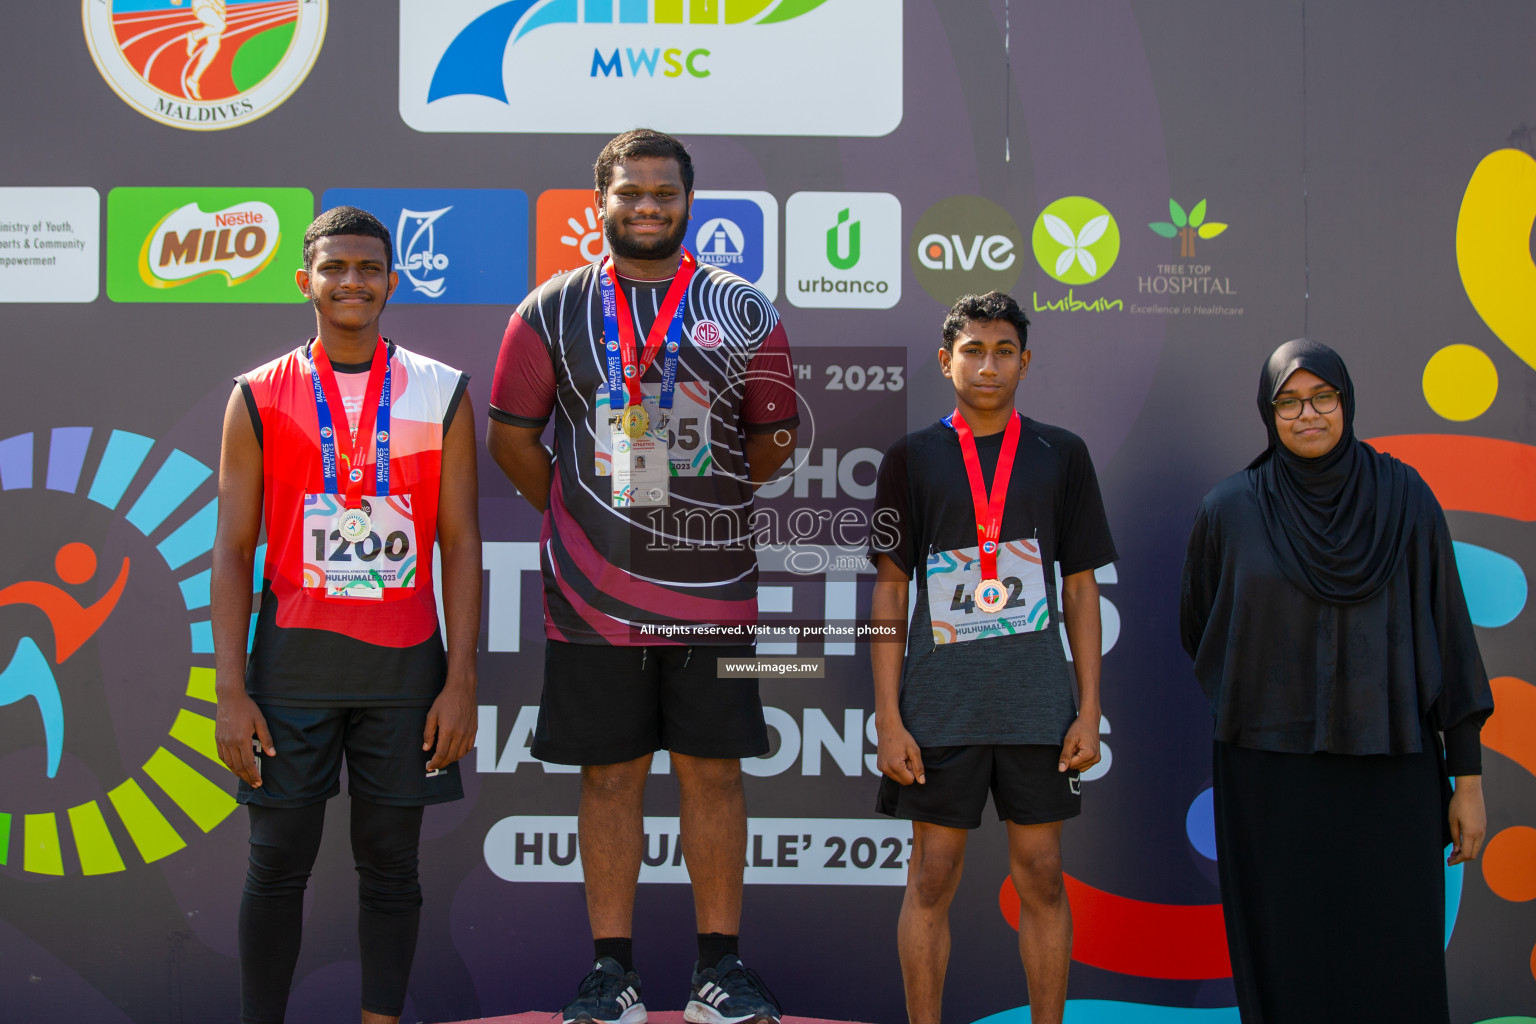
pixel 1323 608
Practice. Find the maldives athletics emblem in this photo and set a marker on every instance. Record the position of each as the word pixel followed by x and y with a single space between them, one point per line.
pixel 204 65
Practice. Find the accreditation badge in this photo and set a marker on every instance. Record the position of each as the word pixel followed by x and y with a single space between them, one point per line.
pixel 641 475
pixel 964 606
pixel 359 553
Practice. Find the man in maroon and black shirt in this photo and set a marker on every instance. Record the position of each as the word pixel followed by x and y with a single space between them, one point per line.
pixel 671 387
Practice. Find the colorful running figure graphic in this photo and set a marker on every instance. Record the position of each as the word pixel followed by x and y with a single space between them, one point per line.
pixel 211 14
pixel 28 674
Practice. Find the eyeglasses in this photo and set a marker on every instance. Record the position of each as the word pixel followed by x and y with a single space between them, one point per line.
pixel 1323 403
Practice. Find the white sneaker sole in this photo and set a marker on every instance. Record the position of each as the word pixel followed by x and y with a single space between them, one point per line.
pixel 699 1012
pixel 634 1015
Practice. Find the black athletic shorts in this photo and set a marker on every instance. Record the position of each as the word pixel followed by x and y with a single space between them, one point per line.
pixel 1026 787
pixel 607 705
pixel 385 762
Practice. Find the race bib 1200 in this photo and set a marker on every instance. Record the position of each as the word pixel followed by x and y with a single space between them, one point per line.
pixel 384 559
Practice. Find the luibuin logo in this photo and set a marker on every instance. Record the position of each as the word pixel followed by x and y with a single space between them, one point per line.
pixel 205 244
pixel 204 64
pixel 1076 240
pixel 843 255
pixel 1186 227
pixel 89 627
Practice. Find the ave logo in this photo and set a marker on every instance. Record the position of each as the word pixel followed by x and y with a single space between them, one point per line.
pixel 966 245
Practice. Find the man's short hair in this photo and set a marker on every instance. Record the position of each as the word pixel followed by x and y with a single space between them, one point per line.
pixel 983 309
pixel 641 142
pixel 346 220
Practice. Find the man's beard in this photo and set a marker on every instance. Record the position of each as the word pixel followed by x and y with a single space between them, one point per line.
pixel 656 248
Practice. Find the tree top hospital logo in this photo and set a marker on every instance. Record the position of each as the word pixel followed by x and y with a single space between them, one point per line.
pixel 484 65
pixel 204 65
pixel 1076 240
pixel 106 653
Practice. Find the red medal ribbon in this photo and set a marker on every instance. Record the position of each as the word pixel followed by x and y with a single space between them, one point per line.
pixel 658 333
pixel 352 464
pixel 989 511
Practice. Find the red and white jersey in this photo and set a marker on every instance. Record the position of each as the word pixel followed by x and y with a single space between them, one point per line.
pixel 310 647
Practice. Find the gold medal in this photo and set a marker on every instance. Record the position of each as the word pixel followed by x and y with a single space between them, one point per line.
pixel 636 421
pixel 991 596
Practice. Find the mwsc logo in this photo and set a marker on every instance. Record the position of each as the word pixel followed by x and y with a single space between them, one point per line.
pixel 207 64
pixel 486 66
pixel 97 611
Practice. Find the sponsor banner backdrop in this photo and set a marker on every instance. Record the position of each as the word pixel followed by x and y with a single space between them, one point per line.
pixel 1169 187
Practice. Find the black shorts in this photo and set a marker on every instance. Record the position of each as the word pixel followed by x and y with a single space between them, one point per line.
pixel 1026 787
pixel 608 705
pixel 385 762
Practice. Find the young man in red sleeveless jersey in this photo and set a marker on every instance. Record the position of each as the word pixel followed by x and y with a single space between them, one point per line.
pixel 669 380
pixel 357 455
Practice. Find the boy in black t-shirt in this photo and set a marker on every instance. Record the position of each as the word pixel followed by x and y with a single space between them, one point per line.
pixel 984 504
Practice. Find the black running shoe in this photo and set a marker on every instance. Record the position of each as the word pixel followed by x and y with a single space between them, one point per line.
pixel 607 996
pixel 730 993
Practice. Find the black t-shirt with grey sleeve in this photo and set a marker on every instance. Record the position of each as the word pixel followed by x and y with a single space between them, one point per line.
pixel 1017 688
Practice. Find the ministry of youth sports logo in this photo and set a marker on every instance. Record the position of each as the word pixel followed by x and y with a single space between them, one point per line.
pixel 106 716
pixel 204 65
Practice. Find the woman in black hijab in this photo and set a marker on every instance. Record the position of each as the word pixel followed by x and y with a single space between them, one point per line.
pixel 1324 612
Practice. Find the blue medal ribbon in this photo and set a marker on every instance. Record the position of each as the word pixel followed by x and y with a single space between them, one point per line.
pixel 327 394
pixel 625 368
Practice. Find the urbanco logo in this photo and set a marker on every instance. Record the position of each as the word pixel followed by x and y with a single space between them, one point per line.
pixel 204 65
pixel 1076 240
pixel 106 653
pixel 488 65
pixel 966 245
pixel 206 244
pixel 452 245
pixel 739 232
pixel 842 250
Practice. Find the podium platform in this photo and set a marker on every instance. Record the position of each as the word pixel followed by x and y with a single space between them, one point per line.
pixel 672 1017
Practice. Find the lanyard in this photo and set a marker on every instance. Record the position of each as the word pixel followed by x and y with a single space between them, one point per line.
pixel 375 413
pixel 624 367
pixel 989 511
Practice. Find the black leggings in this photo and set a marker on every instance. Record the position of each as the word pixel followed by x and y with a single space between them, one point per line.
pixel 284 841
